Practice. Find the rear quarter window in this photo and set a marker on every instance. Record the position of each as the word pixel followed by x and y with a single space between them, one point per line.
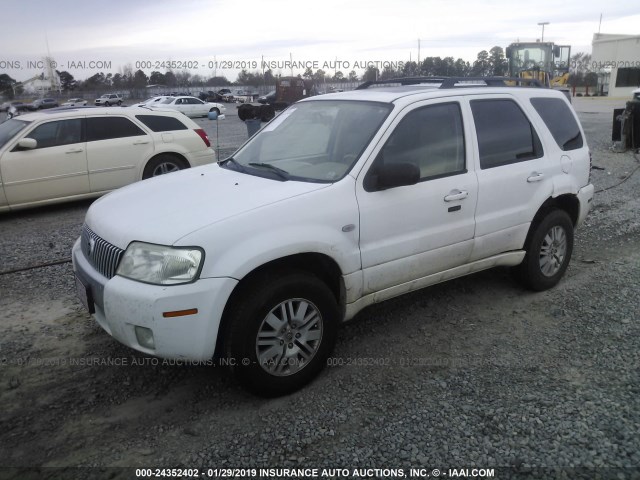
pixel 159 123
pixel 560 121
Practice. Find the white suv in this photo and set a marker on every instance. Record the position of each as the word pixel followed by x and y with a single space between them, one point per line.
pixel 73 153
pixel 343 200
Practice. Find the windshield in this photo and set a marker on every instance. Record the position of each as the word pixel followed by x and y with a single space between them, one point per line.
pixel 9 129
pixel 316 141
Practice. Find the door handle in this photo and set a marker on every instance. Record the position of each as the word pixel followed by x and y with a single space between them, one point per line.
pixel 535 177
pixel 141 142
pixel 456 195
pixel 75 150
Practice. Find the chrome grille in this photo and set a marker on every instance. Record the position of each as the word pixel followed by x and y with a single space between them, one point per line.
pixel 101 254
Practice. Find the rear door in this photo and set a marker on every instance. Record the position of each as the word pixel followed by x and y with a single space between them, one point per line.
pixel 117 149
pixel 513 174
pixel 4 205
pixel 407 233
pixel 197 107
pixel 56 168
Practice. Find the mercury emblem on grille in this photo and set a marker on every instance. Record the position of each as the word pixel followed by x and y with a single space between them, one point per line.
pixel 91 245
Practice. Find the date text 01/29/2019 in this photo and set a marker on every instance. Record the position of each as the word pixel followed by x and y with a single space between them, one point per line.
pixel 194 64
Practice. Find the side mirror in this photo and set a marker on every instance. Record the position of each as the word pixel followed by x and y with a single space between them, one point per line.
pixel 27 144
pixel 393 175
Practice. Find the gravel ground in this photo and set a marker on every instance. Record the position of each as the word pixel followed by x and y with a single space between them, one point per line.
pixel 475 372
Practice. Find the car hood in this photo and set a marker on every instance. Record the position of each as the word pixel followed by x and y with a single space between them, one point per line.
pixel 164 209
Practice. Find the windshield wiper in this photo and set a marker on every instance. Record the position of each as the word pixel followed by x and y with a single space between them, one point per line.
pixel 238 166
pixel 279 171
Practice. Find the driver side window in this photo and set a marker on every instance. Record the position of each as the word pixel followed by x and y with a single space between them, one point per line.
pixel 430 138
pixel 53 134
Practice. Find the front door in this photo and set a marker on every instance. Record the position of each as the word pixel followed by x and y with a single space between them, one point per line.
pixel 56 168
pixel 410 232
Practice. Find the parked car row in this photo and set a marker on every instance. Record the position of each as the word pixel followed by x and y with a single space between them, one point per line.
pixel 39 104
pixel 69 154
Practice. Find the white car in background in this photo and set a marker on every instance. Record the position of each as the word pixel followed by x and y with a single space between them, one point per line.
pixel 151 101
pixel 190 106
pixel 74 102
pixel 61 155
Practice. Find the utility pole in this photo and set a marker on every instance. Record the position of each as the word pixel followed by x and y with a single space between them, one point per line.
pixel 600 24
pixel 543 24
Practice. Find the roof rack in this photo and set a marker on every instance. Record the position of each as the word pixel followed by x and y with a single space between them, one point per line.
pixel 457 82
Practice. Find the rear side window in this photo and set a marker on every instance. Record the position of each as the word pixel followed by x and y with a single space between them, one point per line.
pixel 560 122
pixel 158 123
pixel 505 134
pixel 105 128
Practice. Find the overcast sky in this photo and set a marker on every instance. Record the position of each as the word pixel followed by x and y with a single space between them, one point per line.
pixel 121 32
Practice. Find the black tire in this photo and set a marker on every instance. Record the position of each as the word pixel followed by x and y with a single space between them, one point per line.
pixel 162 164
pixel 217 110
pixel 280 373
pixel 267 112
pixel 246 112
pixel 107 104
pixel 549 247
pixel 119 102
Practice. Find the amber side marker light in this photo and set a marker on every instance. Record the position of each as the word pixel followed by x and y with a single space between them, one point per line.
pixel 180 313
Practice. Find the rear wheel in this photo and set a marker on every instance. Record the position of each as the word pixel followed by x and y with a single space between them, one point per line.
pixel 163 164
pixel 281 332
pixel 548 252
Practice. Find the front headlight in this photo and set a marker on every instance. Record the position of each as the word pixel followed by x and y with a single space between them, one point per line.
pixel 160 265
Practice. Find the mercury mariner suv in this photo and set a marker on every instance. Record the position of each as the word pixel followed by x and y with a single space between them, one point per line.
pixel 343 200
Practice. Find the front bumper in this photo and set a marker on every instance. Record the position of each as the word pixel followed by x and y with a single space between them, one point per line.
pixel 122 304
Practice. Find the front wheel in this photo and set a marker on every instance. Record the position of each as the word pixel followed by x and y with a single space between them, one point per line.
pixel 548 252
pixel 107 104
pixel 163 164
pixel 119 102
pixel 282 332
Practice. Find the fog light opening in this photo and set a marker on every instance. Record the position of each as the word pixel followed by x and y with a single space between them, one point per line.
pixel 145 338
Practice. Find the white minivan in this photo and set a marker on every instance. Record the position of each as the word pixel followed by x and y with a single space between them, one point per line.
pixel 341 201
